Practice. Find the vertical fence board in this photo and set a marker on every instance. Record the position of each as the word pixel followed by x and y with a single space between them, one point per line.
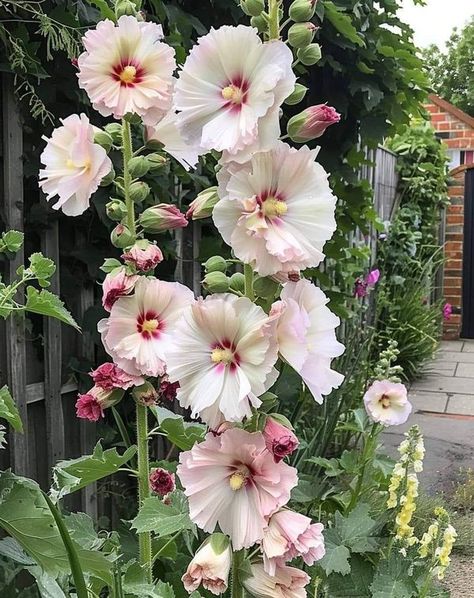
pixel 13 210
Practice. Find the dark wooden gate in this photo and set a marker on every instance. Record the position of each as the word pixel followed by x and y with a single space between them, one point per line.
pixel 467 330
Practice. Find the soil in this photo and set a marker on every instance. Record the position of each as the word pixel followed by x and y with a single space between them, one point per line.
pixel 460 576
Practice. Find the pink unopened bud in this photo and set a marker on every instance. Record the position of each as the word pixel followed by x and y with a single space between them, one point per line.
pixel 91 405
pixel 161 481
pixel 162 217
pixel 116 284
pixel 312 122
pixel 279 439
pixel 109 376
pixel 143 255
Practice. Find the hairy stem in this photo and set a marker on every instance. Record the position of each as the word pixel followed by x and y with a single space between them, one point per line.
pixel 144 539
pixel 237 590
pixel 248 273
pixel 273 19
pixel 127 151
pixel 367 454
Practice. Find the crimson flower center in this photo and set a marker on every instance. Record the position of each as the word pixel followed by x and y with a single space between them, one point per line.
pixel 127 74
pixel 224 354
pixel 148 325
pixel 385 401
pixel 235 92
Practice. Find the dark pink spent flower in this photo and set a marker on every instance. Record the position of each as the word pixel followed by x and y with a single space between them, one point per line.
pixel 88 407
pixel 279 439
pixel 109 376
pixel 168 390
pixel 161 481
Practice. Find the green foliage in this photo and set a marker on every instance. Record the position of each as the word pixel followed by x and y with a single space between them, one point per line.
pixel 163 519
pixel 9 411
pixel 11 241
pixel 180 433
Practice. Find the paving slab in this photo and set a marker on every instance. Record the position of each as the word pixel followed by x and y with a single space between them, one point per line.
pixel 465 370
pixel 439 383
pixel 444 368
pixel 451 345
pixel 462 404
pixel 457 356
pixel 429 401
pixel 468 346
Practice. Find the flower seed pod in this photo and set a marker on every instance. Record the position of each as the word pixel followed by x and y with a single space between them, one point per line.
pixel 216 282
pixel 138 166
pixel 116 210
pixel 145 394
pixel 121 236
pixel 156 161
pixel 125 7
pixel 103 139
pixel 309 55
pixel 252 8
pixel 237 282
pixel 296 95
pixel 139 191
pixel 302 10
pixel 259 23
pixel 115 131
pixel 108 178
pixel 301 35
pixel 216 263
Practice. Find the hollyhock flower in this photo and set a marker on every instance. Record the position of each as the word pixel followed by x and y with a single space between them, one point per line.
pixel 167 133
pixel 312 122
pixel 290 535
pixel 223 355
pixel 74 165
pixel 306 336
pixel 127 69
pixel 167 389
pixel 117 284
pixel 229 99
pixel 109 376
pixel 287 582
pixel 162 217
pixel 363 286
pixel 387 403
pixel 277 210
pixel 91 405
pixel 447 311
pixel 232 481
pixel 138 332
pixel 279 439
pixel 209 567
pixel 143 255
pixel 161 481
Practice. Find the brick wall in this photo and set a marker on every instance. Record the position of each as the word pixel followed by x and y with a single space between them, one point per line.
pixel 456 130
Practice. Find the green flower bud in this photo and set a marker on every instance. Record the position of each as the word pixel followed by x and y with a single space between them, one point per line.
pixel 116 209
pixel 153 144
pixel 115 131
pixel 139 191
pixel 216 282
pixel 202 206
pixel 296 95
pixel 156 161
pixel 265 287
pixel 216 263
pixel 125 7
pixel 145 394
pixel 138 166
pixel 301 35
pixel 309 55
pixel 103 139
pixel 108 178
pixel 253 8
pixel 121 236
pixel 260 23
pixel 302 10
pixel 237 282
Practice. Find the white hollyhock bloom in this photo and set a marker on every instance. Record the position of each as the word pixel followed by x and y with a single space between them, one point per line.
pixel 223 354
pixel 276 210
pixel 306 336
pixel 74 165
pixel 230 89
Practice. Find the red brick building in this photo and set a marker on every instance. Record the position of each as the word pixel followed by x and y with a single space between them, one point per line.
pixel 456 129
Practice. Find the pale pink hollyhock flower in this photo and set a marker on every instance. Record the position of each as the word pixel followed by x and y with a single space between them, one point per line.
pixel 161 481
pixel 287 582
pixel 387 403
pixel 143 255
pixel 306 336
pixel 210 568
pixel 116 284
pixel 230 89
pixel 74 165
pixel 447 311
pixel 279 439
pixel 232 481
pixel 277 210
pixel 138 333
pixel 162 217
pixel 109 376
pixel 223 354
pixel 91 405
pixel 289 535
pixel 167 133
pixel 312 122
pixel 127 69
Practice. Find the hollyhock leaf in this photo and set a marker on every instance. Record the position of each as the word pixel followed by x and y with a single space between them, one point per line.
pixel 135 583
pixel 336 559
pixel 182 434
pixel 9 411
pixel 391 580
pixel 11 241
pixel 47 585
pixel 70 476
pixel 162 548
pixel 355 530
pixel 81 529
pixel 350 460
pixel 162 519
pixel 355 584
pixel 384 464
pixel 46 304
pixel 331 466
pixel 42 267
pixel 11 549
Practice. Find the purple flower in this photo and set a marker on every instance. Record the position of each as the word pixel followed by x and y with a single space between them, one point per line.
pixel 447 311
pixel 362 286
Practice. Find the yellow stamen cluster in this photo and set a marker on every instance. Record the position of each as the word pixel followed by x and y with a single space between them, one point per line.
pixel 128 74
pixel 221 356
pixel 237 481
pixel 232 94
pixel 272 207
pixel 150 325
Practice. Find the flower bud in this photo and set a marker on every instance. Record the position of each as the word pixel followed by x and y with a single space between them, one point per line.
pixel 116 209
pixel 121 236
pixel 301 35
pixel 260 23
pixel 143 255
pixel 210 566
pixel 162 217
pixel 153 144
pixel 156 161
pixel 108 178
pixel 279 438
pixel 237 282
pixel 161 481
pixel 202 206
pixel 125 7
pixel 296 95
pixel 309 55
pixel 216 263
pixel 117 283
pixel 302 10
pixel 138 166
pixel 91 405
pixel 252 8
pixel 216 282
pixel 103 139
pixel 145 394
pixel 139 191
pixel 115 131
pixel 312 122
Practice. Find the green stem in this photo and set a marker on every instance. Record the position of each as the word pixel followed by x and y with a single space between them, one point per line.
pixel 248 273
pixel 237 589
pixel 366 457
pixel 144 539
pixel 127 152
pixel 273 19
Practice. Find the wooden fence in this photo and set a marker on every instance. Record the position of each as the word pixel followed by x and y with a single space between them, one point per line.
pixel 32 366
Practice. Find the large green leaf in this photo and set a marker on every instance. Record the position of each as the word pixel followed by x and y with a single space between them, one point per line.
pixel 336 559
pixel 9 411
pixel 135 584
pixel 392 580
pixel 354 585
pixel 162 519
pixel 11 241
pixel 46 304
pixel 70 476
pixel 182 434
pixel 48 587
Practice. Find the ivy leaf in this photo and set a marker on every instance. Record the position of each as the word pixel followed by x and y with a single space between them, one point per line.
pixel 46 304
pixel 182 434
pixel 163 520
pixel 9 411
pixel 70 476
pixel 343 23
pixel 392 581
pixel 11 241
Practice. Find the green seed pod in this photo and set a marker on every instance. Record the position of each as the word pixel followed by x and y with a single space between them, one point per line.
pixel 253 8
pixel 145 394
pixel 139 191
pixel 108 178
pixel 237 282
pixel 156 161
pixel 309 55
pixel 296 95
pixel 302 10
pixel 260 23
pixel 115 131
pixel 116 209
pixel 121 236
pixel 216 282
pixel 138 166
pixel 216 263
pixel 103 139
pixel 265 287
pixel 125 7
pixel 301 35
